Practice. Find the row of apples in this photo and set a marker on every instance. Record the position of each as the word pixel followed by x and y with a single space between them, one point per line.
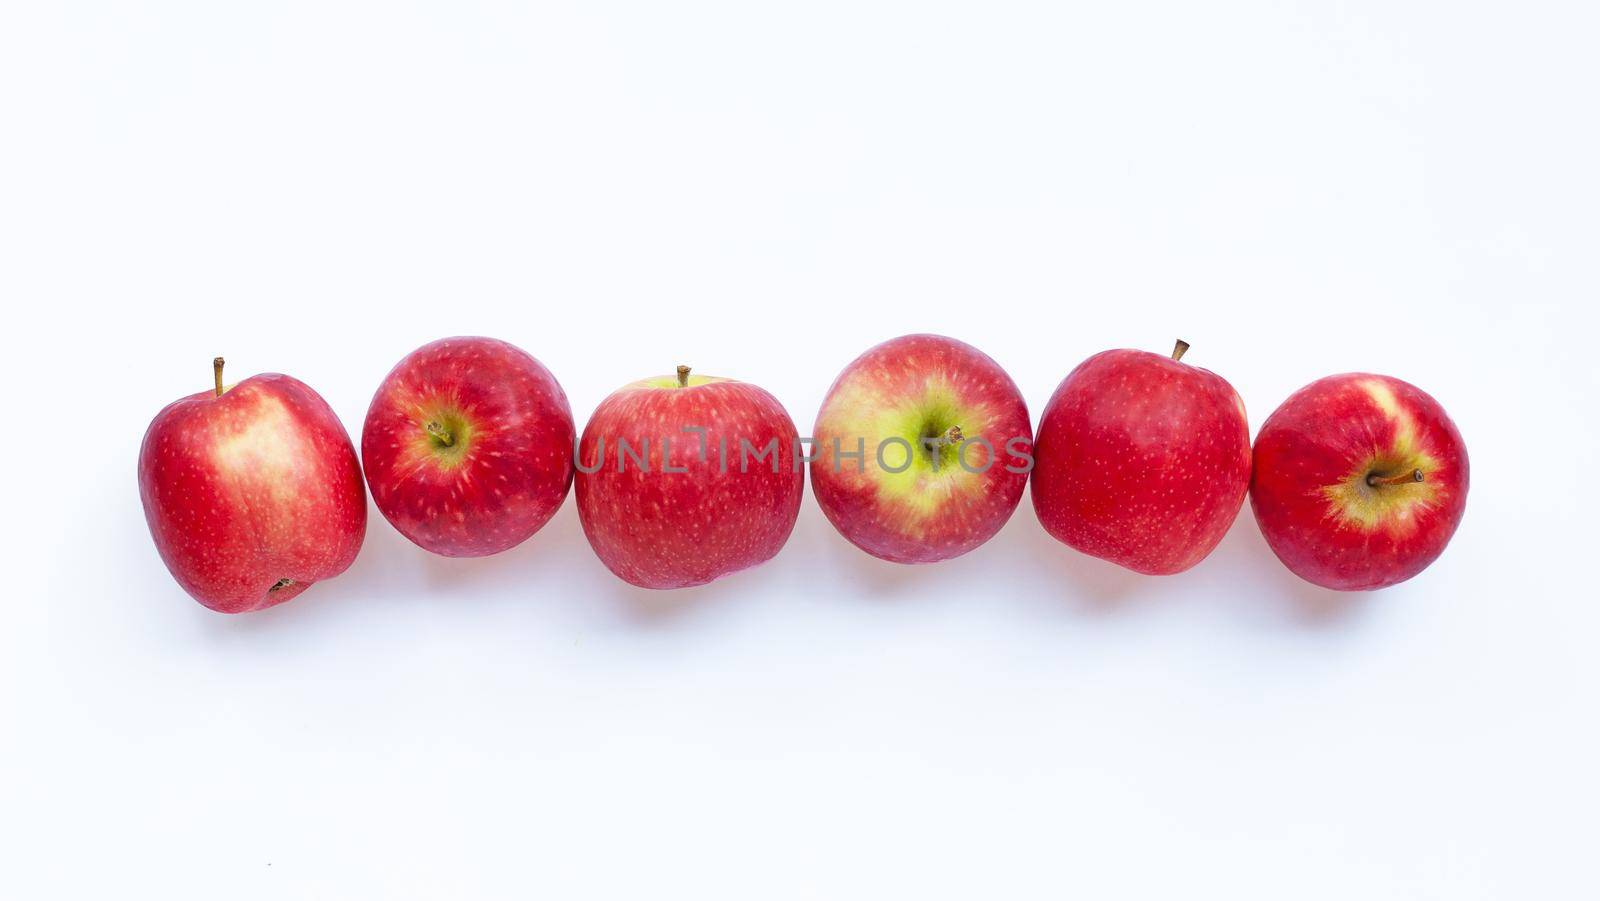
pixel 921 452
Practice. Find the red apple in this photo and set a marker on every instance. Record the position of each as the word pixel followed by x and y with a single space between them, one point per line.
pixel 252 493
pixel 921 449
pixel 684 479
pixel 468 446
pixel 1143 460
pixel 1360 480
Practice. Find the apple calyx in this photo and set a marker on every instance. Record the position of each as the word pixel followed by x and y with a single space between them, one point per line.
pixel 216 373
pixel 939 444
pixel 1179 349
pixel 446 436
pixel 280 585
pixel 440 433
pixel 1374 480
pixel 683 376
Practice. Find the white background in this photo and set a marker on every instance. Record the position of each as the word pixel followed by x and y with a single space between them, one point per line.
pixel 763 192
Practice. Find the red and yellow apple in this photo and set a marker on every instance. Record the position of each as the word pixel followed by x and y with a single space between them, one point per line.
pixel 1142 460
pixel 684 479
pixel 468 446
pixel 252 492
pixel 1360 480
pixel 921 449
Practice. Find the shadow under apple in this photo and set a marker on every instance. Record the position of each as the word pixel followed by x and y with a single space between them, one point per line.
pixel 1244 570
pixel 1094 586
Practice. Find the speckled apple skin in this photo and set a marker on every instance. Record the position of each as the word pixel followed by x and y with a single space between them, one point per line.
pixel 926 515
pixel 1337 428
pixel 665 530
pixel 1141 460
pixel 244 490
pixel 513 471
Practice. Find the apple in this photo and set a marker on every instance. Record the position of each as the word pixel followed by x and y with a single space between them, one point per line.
pixel 1360 480
pixel 468 446
pixel 921 449
pixel 1142 460
pixel 252 493
pixel 686 478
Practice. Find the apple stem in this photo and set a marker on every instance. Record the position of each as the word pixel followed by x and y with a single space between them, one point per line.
pixel 441 433
pixel 1374 480
pixel 1179 349
pixel 683 376
pixel 216 374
